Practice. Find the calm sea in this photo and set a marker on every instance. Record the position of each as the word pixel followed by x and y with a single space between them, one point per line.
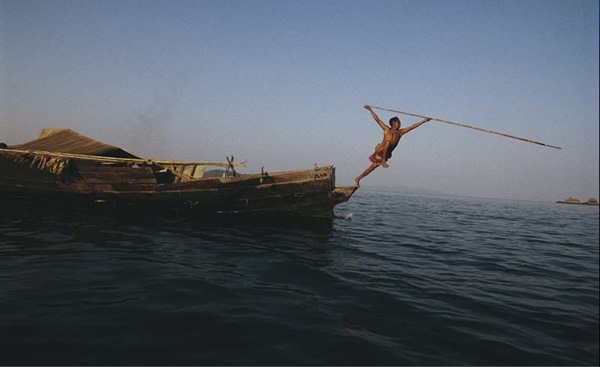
pixel 392 280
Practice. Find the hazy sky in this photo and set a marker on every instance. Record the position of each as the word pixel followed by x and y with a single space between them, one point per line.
pixel 282 84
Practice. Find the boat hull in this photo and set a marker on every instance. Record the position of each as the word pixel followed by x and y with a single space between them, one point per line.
pixel 52 178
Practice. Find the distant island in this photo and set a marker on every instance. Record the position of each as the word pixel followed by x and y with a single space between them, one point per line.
pixel 572 200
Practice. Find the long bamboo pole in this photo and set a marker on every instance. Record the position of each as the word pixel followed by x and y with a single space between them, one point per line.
pixel 469 127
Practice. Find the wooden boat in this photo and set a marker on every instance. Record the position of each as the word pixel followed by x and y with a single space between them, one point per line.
pixel 569 200
pixel 64 166
pixel 572 200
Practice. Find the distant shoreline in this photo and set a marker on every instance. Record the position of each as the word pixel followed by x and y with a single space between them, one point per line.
pixel 425 192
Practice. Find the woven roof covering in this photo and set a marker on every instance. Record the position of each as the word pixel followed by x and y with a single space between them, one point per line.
pixel 68 141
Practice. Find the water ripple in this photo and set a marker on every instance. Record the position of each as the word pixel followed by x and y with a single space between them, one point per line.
pixel 408 280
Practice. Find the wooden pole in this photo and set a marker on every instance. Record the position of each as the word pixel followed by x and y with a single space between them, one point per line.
pixel 469 127
pixel 122 160
pixel 169 165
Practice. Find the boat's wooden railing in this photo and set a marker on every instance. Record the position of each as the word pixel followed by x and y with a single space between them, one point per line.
pixel 184 170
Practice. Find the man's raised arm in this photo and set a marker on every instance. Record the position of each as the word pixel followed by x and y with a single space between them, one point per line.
pixel 379 122
pixel 412 127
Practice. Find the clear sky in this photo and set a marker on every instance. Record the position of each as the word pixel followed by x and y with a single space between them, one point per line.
pixel 283 84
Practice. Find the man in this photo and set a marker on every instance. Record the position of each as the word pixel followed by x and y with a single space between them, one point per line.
pixel 391 137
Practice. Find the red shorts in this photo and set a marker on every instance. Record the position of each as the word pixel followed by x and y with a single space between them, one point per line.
pixel 374 159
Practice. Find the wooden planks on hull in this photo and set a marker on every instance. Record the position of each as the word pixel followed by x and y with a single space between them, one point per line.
pixel 116 175
pixel 139 182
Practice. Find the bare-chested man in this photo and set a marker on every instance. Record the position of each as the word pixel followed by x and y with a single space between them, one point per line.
pixel 391 137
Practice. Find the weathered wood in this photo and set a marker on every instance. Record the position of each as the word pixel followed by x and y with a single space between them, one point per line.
pixel 131 172
pixel 121 180
pixel 133 182
pixel 198 171
pixel 143 172
pixel 113 187
pixel 120 160
pixel 116 175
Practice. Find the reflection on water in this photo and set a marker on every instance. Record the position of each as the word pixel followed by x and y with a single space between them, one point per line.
pixel 391 279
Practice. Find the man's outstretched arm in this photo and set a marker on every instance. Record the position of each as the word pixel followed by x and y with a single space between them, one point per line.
pixel 379 122
pixel 412 127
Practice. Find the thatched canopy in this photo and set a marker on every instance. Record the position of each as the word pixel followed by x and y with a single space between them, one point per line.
pixel 68 141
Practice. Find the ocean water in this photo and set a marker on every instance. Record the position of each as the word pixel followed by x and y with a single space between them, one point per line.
pixel 392 280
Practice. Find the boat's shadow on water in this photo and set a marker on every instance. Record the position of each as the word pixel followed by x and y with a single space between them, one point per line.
pixel 155 218
pixel 210 278
pixel 130 230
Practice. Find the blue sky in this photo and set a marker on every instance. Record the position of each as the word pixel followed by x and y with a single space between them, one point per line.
pixel 282 84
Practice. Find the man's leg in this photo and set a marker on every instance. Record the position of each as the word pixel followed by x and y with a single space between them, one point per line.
pixel 366 172
pixel 385 148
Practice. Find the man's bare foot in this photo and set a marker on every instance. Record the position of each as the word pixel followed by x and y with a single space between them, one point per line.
pixel 384 165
